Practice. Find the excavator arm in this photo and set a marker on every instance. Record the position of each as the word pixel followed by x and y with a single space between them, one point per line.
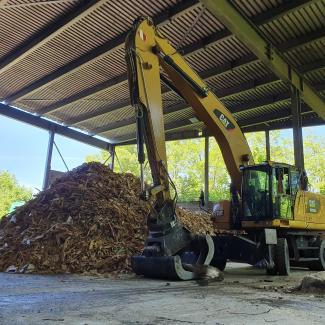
pixel 169 246
pixel 152 51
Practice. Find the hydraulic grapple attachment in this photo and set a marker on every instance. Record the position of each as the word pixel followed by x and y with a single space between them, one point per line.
pixel 169 246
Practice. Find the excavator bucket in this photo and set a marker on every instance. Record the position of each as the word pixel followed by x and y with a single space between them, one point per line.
pixel 200 251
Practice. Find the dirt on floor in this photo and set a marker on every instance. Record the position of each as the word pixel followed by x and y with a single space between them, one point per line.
pixel 246 296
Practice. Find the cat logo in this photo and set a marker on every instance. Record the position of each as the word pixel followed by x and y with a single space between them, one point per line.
pixel 223 119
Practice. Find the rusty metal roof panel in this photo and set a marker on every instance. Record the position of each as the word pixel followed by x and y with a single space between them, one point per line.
pixel 252 7
pixel 181 25
pixel 308 17
pixel 104 23
pixel 106 119
pixel 216 54
pixel 316 76
pixel 21 19
pixel 79 94
pixel 262 110
pixel 307 53
pixel 194 126
pixel 108 67
pixel 249 95
pixel 116 134
pixel 186 113
pixel 234 77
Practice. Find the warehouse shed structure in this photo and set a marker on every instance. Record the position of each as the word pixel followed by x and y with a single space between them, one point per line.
pixel 62 65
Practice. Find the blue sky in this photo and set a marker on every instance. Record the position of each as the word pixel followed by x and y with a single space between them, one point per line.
pixel 24 147
pixel 23 150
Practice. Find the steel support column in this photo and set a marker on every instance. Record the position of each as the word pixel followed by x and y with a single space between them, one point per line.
pixel 112 153
pixel 267 145
pixel 206 171
pixel 48 160
pixel 298 144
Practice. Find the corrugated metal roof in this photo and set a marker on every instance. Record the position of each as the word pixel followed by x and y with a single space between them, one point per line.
pixel 78 76
pixel 22 19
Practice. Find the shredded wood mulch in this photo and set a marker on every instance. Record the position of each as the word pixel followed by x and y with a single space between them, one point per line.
pixel 89 221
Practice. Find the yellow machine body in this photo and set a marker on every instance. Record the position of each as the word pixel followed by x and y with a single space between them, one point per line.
pixel 308 214
pixel 269 201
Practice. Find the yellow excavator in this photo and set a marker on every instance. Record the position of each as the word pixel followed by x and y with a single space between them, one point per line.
pixel 279 221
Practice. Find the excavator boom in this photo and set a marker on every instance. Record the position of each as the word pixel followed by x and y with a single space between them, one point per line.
pixel 154 51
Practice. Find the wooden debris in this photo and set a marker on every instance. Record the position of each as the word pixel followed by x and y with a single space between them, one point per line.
pixel 90 220
pixel 198 222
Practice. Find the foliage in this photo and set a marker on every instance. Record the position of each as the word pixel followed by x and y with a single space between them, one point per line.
pixel 186 162
pixel 11 191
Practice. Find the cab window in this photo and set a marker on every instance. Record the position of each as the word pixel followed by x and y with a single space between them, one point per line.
pixel 294 182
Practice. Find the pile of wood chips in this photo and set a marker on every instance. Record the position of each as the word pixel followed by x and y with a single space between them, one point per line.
pixel 89 221
pixel 198 222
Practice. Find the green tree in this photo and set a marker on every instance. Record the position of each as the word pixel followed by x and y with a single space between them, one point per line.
pixel 314 151
pixel 11 191
pixel 185 159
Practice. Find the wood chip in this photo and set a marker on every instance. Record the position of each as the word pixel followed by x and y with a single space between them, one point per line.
pixel 90 220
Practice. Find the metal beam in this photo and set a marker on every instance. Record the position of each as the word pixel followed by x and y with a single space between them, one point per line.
pixel 210 73
pixel 243 123
pixel 99 52
pixel 221 93
pixel 49 32
pixel 172 136
pixel 310 119
pixel 51 126
pixel 5 4
pixel 116 43
pixel 98 112
pixel 266 100
pixel 271 117
pixel 168 127
pixel 206 171
pixel 228 13
pixel 112 152
pixel 267 145
pixel 298 143
pixel 48 160
pixel 131 120
pixel 253 105
pixel 206 74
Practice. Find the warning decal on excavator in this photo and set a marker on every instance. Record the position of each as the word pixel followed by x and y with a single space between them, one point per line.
pixel 223 119
pixel 142 35
pixel 313 206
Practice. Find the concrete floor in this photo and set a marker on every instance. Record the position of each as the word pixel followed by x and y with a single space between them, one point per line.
pixel 246 296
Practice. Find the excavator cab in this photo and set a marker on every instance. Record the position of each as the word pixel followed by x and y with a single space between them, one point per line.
pixel 268 191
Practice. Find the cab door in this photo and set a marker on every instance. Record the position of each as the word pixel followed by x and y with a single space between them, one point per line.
pixel 282 198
